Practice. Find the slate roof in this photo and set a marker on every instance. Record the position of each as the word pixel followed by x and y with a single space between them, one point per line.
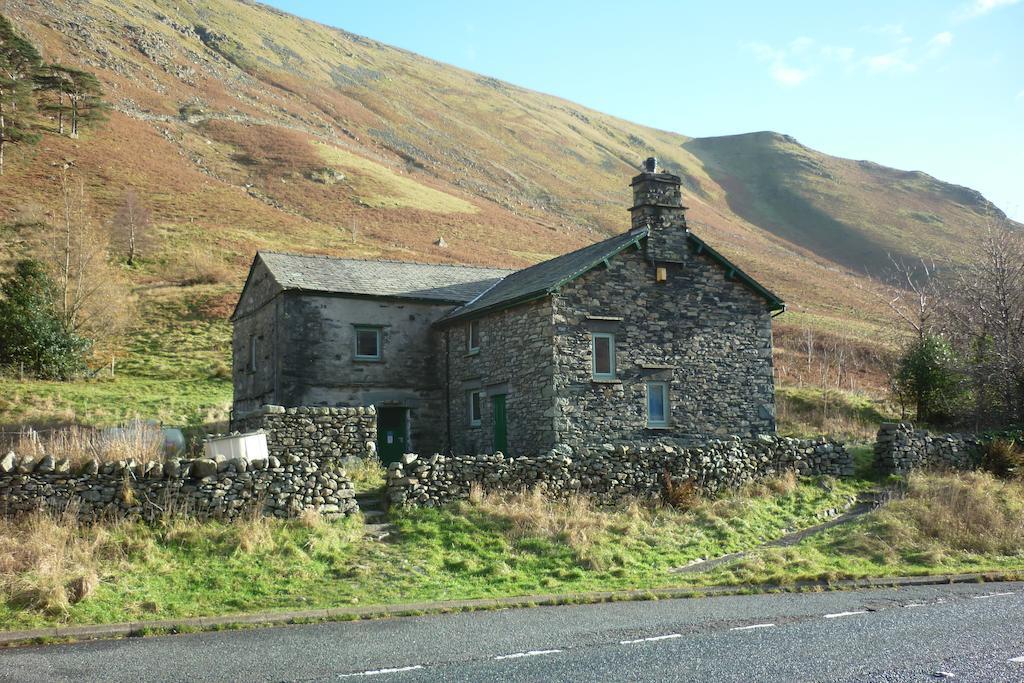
pixel 400 279
pixel 542 278
pixel 474 290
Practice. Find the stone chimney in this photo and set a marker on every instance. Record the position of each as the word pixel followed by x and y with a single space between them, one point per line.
pixel 658 205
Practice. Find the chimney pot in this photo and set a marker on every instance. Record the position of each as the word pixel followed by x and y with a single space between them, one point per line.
pixel 651 165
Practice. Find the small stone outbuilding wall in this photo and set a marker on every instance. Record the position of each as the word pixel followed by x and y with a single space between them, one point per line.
pixel 314 433
pixel 899 448
pixel 612 472
pixel 307 448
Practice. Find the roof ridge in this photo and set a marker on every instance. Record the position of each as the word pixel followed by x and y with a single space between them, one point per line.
pixel 328 257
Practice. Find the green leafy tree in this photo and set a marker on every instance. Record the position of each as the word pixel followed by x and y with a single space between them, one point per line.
pixel 86 98
pixel 34 337
pixel 19 64
pixel 926 377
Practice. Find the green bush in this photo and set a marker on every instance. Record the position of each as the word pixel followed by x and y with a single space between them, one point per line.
pixel 926 377
pixel 34 339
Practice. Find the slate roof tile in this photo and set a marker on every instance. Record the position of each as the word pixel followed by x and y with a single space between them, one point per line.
pixel 433 282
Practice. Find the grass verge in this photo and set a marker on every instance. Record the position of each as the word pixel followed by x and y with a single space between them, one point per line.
pixel 489 547
pixel 938 523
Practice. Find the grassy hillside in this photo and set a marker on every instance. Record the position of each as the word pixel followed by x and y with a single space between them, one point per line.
pixel 242 127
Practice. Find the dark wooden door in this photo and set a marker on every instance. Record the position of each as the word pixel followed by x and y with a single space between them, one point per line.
pixel 500 423
pixel 391 430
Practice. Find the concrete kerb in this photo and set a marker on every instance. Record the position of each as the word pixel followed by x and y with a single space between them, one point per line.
pixel 269 619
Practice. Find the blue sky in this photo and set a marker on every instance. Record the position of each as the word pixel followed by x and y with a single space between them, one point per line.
pixel 929 85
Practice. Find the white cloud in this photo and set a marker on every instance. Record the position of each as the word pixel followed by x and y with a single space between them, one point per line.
pixel 941 40
pixel 801 44
pixel 894 32
pixel 892 62
pixel 780 70
pixel 1020 95
pixel 789 76
pixel 978 8
pixel 837 53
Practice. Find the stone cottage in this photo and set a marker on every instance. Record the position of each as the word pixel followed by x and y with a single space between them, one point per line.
pixel 650 333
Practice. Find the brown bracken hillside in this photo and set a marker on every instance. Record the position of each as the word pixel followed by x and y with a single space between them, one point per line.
pixel 243 127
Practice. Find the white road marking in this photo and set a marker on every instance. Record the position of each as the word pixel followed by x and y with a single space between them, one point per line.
pixel 747 628
pixel 651 639
pixel 992 595
pixel 1016 660
pixel 845 614
pixel 531 653
pixel 378 672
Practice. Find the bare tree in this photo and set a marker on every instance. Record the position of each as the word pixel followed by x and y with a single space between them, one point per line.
pixel 93 301
pixel 983 314
pixel 909 292
pixel 131 227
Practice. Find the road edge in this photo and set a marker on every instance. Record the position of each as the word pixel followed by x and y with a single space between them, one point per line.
pixel 355 613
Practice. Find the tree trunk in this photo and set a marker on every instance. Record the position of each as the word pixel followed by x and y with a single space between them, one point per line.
pixel 3 136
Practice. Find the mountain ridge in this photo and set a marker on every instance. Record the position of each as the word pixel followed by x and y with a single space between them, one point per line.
pixel 252 128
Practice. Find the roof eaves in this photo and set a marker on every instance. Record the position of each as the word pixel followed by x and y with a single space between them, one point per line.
pixel 363 295
pixel 776 303
pixel 640 234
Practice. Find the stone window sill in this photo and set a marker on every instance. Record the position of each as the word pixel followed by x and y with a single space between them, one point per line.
pixel 597 380
pixel 472 352
pixel 658 428
pixel 367 360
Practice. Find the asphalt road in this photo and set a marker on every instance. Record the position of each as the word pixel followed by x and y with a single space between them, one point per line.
pixel 971 632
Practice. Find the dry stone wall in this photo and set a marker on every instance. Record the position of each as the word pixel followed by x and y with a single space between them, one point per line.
pixel 611 472
pixel 202 488
pixel 304 471
pixel 899 448
pixel 314 433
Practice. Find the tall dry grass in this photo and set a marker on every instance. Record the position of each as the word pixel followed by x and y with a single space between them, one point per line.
pixel 49 563
pixel 136 440
pixel 939 516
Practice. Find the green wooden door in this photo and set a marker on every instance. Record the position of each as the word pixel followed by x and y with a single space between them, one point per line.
pixel 500 423
pixel 391 428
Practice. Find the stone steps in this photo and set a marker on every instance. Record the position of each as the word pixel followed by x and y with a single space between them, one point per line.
pixel 375 515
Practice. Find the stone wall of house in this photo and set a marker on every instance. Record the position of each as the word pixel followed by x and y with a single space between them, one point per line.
pixel 313 433
pixel 708 337
pixel 899 448
pixel 611 472
pixel 202 488
pixel 515 358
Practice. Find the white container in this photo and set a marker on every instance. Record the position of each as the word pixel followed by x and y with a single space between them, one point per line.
pixel 249 447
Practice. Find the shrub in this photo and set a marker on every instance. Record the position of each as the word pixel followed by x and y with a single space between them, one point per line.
pixel 682 495
pixel 926 377
pixel 198 266
pixel 1004 458
pixel 34 339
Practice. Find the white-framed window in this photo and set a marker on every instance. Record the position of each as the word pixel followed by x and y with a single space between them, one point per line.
pixel 253 352
pixel 603 354
pixel 473 336
pixel 474 400
pixel 658 408
pixel 367 342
